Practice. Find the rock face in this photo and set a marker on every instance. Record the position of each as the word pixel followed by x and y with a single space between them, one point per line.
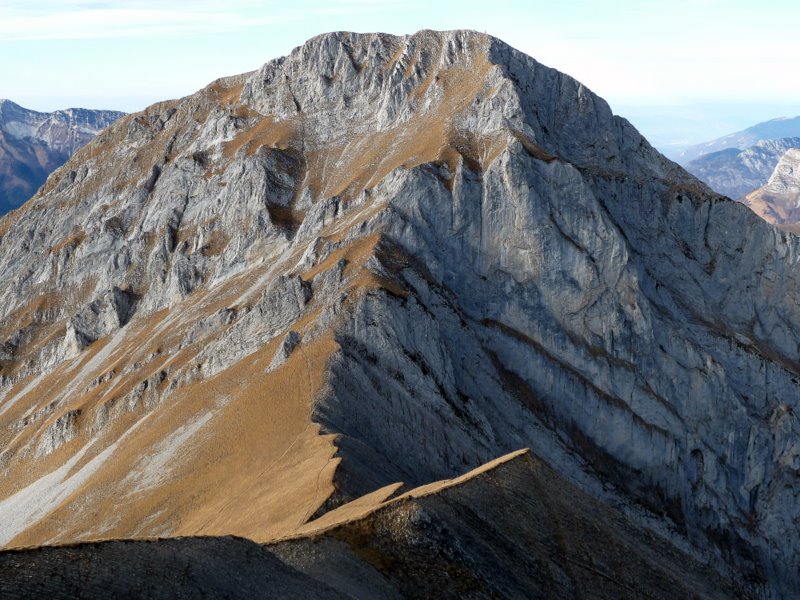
pixel 34 144
pixel 779 200
pixel 735 173
pixel 391 259
pixel 774 129
pixel 180 568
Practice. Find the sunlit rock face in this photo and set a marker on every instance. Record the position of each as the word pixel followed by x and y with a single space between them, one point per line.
pixel 779 200
pixel 385 259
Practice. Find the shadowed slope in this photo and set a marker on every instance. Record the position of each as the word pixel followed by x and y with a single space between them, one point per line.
pixel 511 529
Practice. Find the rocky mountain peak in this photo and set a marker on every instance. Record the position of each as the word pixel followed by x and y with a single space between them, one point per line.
pixel 383 261
pixel 786 177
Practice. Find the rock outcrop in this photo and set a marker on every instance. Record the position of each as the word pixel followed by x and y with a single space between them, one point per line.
pixel 735 173
pixel 392 259
pixel 779 200
pixel 34 144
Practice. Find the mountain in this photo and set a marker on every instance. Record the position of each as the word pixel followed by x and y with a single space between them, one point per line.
pixel 774 129
pixel 779 200
pixel 381 262
pixel 735 172
pixel 34 144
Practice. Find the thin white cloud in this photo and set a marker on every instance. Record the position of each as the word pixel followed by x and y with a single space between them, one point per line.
pixel 95 19
pixel 86 20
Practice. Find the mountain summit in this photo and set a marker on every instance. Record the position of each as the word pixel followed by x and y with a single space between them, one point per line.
pixel 276 308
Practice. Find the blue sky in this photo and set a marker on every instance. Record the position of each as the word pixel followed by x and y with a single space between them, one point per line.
pixel 652 60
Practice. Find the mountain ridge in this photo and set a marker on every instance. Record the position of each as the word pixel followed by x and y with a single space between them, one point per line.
pixel 386 259
pixel 781 127
pixel 432 539
pixel 735 172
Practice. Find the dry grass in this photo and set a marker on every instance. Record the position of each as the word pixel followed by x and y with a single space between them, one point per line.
pixel 266 132
pixel 226 95
pixel 258 469
pixel 73 240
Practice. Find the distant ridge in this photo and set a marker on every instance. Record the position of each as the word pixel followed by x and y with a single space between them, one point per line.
pixel 774 129
pixel 34 144
pixel 735 172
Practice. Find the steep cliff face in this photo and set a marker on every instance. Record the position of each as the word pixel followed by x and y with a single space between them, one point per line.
pixel 735 172
pixel 386 259
pixel 34 144
pixel 779 200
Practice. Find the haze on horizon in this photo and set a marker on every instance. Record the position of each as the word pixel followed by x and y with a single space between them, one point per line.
pixel 683 72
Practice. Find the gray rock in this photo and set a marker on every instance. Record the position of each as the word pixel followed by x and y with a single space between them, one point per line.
pixel 537 275
pixel 290 341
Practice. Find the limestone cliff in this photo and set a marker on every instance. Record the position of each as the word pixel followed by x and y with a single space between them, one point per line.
pixel 392 259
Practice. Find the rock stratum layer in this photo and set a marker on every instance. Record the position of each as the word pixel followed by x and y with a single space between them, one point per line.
pixel 34 144
pixel 393 259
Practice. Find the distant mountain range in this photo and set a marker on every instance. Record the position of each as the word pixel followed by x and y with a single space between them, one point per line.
pixel 736 172
pixel 774 129
pixel 33 144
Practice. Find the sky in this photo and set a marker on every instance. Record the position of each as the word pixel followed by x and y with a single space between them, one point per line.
pixel 681 70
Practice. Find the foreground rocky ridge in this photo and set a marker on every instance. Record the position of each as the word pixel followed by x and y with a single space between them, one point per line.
pixel 387 259
pixel 511 529
pixel 34 144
